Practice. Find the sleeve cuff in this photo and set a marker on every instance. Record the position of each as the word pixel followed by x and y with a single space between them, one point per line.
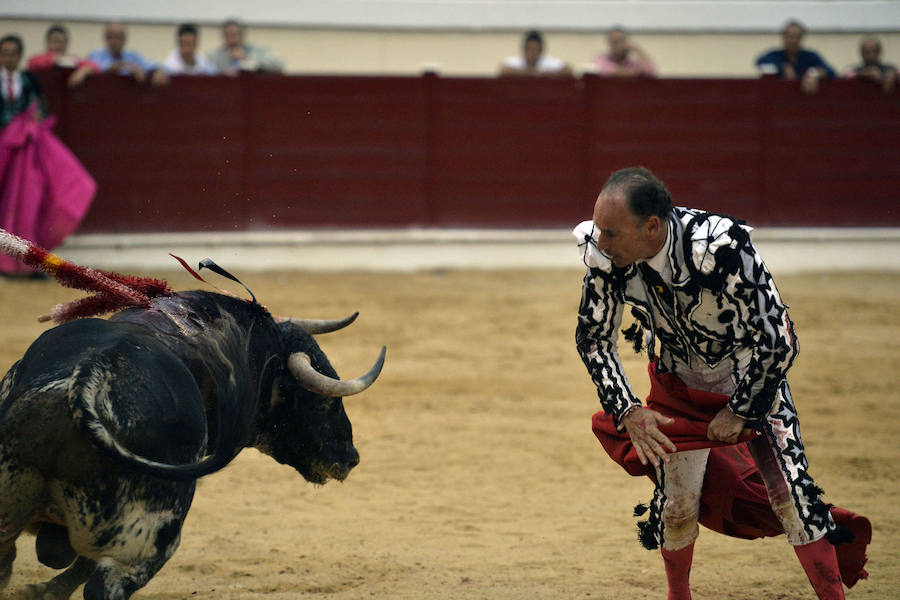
pixel 617 419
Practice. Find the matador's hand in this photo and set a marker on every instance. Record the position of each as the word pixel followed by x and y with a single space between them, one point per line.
pixel 650 443
pixel 727 427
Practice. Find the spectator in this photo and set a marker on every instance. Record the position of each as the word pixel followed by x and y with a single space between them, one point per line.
pixel 236 55
pixel 20 89
pixel 794 62
pixel 533 62
pixel 114 58
pixel 624 58
pixel 872 69
pixel 44 190
pixel 56 55
pixel 185 60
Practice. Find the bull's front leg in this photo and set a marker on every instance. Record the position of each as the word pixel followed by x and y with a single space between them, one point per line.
pixel 7 557
pixel 113 581
pixel 61 586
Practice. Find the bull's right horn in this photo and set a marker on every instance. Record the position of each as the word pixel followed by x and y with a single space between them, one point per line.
pixel 314 326
pixel 300 367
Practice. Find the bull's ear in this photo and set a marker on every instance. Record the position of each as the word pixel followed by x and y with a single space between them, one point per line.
pixel 300 366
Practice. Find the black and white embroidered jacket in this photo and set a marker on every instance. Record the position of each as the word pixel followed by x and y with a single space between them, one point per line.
pixel 724 315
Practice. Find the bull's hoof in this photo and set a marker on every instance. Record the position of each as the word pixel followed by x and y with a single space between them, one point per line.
pixel 39 591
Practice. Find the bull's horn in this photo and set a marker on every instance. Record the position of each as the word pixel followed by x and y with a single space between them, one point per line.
pixel 300 367
pixel 320 325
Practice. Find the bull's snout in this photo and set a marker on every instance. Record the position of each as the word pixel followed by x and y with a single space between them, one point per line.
pixel 342 463
pixel 352 458
pixel 349 458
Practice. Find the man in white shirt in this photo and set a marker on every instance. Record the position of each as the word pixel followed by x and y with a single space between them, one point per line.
pixel 185 60
pixel 237 55
pixel 533 62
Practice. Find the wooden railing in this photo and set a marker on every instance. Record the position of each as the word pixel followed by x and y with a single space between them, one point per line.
pixel 261 152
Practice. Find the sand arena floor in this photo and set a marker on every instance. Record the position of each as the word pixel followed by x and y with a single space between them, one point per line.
pixel 480 477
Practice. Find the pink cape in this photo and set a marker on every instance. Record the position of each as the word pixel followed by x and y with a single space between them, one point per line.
pixel 44 189
pixel 734 499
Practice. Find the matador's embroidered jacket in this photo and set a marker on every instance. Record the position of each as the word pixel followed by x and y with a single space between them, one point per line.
pixel 722 315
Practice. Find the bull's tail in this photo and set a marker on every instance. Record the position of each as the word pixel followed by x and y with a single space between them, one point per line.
pixel 91 394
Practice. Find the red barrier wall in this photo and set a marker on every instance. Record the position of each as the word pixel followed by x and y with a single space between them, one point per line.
pixel 260 152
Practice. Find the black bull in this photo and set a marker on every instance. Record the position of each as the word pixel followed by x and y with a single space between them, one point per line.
pixel 106 424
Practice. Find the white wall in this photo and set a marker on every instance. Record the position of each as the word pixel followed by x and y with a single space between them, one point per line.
pixel 787 250
pixel 461 53
pixel 579 15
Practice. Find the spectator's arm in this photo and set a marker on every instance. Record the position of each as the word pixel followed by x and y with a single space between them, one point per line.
pixel 603 65
pixel 40 61
pixel 819 70
pixel 827 70
pixel 82 72
pixel 145 63
pixel 88 64
pixel 644 64
pixel 508 71
pixel 564 71
pixel 889 83
pixel 266 61
pixel 770 63
pixel 510 67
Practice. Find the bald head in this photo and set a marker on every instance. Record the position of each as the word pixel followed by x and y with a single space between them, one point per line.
pixel 870 51
pixel 632 215
pixel 115 35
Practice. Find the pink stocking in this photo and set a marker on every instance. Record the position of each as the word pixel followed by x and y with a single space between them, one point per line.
pixel 678 571
pixel 821 566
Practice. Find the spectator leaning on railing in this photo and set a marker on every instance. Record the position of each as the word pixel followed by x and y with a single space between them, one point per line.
pixel 624 58
pixel 794 62
pixel 56 55
pixel 236 55
pixel 185 59
pixel 872 69
pixel 114 58
pixel 533 62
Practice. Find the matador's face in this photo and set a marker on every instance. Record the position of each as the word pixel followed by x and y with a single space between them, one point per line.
pixel 623 236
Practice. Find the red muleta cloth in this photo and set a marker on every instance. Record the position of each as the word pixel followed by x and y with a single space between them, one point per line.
pixel 44 190
pixel 734 500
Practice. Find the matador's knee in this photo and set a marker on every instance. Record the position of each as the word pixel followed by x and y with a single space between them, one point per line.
pixel 679 524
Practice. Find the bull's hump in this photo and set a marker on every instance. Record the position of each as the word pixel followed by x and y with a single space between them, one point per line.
pixel 184 313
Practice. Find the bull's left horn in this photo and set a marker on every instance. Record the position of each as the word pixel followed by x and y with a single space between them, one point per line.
pixel 320 325
pixel 300 367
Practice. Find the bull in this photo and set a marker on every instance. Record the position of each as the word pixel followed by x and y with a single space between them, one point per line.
pixel 106 424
